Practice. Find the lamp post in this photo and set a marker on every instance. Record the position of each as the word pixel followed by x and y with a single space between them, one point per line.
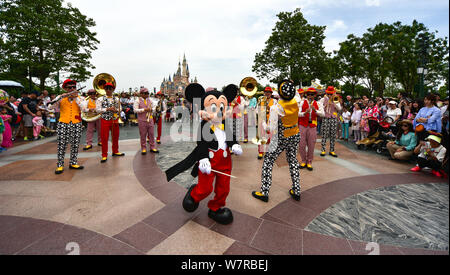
pixel 422 72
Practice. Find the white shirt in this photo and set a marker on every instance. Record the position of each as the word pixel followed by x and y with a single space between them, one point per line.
pixel 393 113
pixel 356 116
pixel 346 116
pixel 439 152
pixel 221 137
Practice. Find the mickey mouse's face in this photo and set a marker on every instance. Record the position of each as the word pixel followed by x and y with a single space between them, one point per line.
pixel 216 107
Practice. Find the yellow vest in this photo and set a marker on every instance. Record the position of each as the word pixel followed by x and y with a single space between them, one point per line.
pixel 69 111
pixel 291 117
pixel 91 104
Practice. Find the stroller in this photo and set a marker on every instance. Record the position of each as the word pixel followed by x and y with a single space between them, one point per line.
pixel 372 137
pixel 386 135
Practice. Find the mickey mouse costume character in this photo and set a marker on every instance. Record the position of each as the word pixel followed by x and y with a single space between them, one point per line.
pixel 285 137
pixel 215 138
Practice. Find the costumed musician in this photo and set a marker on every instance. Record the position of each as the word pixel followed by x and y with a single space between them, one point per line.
pixel 109 107
pixel 310 109
pixel 264 104
pixel 159 109
pixel 144 108
pixel 90 106
pixel 330 121
pixel 69 126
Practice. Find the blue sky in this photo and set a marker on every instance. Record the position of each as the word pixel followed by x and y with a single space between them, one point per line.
pixel 142 41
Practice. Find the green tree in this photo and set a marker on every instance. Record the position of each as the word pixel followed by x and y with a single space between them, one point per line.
pixel 376 52
pixel 294 50
pixel 411 44
pixel 46 37
pixel 351 61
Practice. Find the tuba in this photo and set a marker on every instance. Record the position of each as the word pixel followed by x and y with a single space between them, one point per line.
pixel 99 82
pixel 248 86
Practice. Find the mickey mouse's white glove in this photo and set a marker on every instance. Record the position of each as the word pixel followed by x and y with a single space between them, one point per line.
pixel 237 149
pixel 205 166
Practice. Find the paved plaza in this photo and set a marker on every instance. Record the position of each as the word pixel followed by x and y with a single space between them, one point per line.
pixel 126 205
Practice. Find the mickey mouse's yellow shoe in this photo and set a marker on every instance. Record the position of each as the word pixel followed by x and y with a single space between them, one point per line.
pixel 323 154
pixel 303 165
pixel 260 196
pixel 118 154
pixel 59 170
pixel 333 154
pixel 104 160
pixel 76 167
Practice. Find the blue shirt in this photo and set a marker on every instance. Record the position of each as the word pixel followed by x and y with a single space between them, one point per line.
pixel 433 115
pixel 409 141
pixel 252 103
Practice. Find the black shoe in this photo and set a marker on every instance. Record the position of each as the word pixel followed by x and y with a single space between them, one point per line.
pixel 118 154
pixel 333 154
pixel 260 196
pixel 309 167
pixel 222 216
pixel 260 156
pixel 76 167
pixel 188 202
pixel 154 151
pixel 87 147
pixel 294 196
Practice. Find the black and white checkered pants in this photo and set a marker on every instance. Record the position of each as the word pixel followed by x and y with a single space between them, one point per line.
pixel 276 147
pixel 329 128
pixel 68 134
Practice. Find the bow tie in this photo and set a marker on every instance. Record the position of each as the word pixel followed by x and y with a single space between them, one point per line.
pixel 221 126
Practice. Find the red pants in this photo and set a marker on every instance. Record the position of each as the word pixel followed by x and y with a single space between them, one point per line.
pixel 159 126
pixel 113 126
pixel 205 181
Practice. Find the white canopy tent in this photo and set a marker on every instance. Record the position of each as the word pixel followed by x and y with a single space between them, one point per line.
pixel 10 83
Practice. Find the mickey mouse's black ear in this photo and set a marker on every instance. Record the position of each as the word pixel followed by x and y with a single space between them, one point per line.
pixel 231 92
pixel 194 90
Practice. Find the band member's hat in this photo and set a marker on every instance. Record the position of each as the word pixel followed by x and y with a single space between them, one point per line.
pixel 68 81
pixel 159 93
pixel 311 90
pixel 109 84
pixel 330 90
pixel 268 89
pixel 301 91
pixel 143 90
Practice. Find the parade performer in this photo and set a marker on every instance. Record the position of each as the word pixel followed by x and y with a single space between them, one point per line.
pixel 69 126
pixel 284 125
pixel 212 156
pixel 310 109
pixel 144 109
pixel 159 111
pixel 109 108
pixel 264 104
pixel 330 120
pixel 240 114
pixel 90 107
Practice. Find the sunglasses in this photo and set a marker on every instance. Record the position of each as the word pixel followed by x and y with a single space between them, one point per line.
pixel 310 94
pixel 109 88
pixel 71 87
pixel 144 93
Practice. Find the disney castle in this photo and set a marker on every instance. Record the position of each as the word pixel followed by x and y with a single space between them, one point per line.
pixel 178 82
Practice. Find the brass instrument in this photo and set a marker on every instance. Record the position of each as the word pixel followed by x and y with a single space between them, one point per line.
pixel 335 99
pixel 99 82
pixel 248 86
